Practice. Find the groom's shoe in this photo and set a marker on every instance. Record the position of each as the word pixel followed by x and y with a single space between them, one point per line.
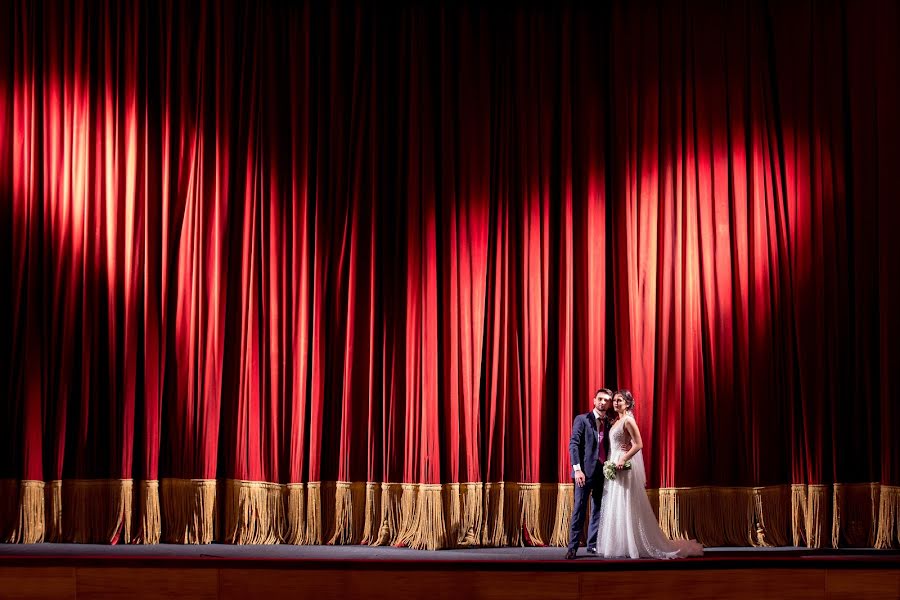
pixel 591 550
pixel 570 554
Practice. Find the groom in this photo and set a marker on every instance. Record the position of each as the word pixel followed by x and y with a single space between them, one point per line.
pixel 588 449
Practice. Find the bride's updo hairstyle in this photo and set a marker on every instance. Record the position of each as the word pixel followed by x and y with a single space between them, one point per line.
pixel 627 397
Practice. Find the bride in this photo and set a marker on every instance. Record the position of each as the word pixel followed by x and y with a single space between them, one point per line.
pixel 628 527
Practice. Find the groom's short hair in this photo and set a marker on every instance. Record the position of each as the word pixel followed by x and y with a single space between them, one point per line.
pixel 606 391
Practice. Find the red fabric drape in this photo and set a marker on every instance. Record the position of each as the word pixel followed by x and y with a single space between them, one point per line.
pixel 344 243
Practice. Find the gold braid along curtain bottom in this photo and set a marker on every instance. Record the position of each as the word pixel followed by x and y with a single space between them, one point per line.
pixel 428 516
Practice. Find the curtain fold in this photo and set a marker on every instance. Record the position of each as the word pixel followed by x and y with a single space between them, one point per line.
pixel 338 273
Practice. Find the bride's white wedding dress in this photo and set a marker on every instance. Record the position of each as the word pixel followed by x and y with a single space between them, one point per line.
pixel 628 527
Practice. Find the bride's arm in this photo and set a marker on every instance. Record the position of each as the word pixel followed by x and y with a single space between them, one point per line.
pixel 636 442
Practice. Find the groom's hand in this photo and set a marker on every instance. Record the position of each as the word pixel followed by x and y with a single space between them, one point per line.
pixel 579 478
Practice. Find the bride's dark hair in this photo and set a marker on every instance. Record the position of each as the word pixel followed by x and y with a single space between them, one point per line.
pixel 627 397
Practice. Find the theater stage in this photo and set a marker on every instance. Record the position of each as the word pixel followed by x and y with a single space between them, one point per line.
pixel 221 571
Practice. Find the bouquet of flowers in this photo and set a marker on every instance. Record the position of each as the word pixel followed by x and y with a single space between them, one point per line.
pixel 609 468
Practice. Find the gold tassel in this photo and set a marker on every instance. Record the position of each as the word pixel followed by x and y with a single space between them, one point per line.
pixel 528 511
pixel 120 495
pixel 452 513
pixel 295 514
pixel 150 527
pixel 406 526
pixel 739 524
pixel 512 514
pixel 537 512
pixel 253 512
pixel 407 522
pixel 888 517
pixel 314 513
pixel 320 499
pixel 30 526
pixel 808 513
pixel 97 511
pixel 684 513
pixel 838 509
pixel 393 496
pixel 804 515
pixel 494 530
pixel 666 511
pixel 350 513
pixel 703 525
pixel 189 510
pixel 770 524
pixel 426 530
pixel 729 521
pixel 565 503
pixel 54 512
pixel 372 523
pixel 470 520
pixel 854 514
pixel 798 513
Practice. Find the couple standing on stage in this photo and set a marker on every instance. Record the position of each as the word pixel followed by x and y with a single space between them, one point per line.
pixel 622 520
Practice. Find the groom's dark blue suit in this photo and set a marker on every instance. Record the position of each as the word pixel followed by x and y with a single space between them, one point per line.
pixel 588 445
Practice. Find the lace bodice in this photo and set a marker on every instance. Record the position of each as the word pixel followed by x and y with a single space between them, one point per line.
pixel 618 437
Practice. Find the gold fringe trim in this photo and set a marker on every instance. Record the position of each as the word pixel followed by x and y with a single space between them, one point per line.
pixel 565 502
pixel 24 510
pixel 97 511
pixel 372 523
pixel 295 514
pixel 888 517
pixel 320 503
pixel 511 515
pixel 452 513
pixel 720 519
pixel 798 513
pixel 463 513
pixel 430 516
pixel 809 513
pixel 538 512
pixel 502 527
pixel 149 521
pixel 725 516
pixel 391 510
pixel 349 513
pixel 471 501
pixel 254 512
pixel 817 515
pixel 53 512
pixel 189 510
pixel 770 524
pixel 684 513
pixel 425 530
pixel 406 519
pixel 854 514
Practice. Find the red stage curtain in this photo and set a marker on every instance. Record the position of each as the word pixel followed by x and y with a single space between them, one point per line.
pixel 342 273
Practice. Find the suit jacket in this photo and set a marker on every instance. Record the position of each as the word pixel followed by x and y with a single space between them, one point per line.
pixel 584 445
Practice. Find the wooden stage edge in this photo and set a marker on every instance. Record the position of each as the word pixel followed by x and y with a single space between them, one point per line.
pixel 134 578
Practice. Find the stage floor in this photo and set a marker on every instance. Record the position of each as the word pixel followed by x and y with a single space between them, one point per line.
pixel 226 572
pixel 483 557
